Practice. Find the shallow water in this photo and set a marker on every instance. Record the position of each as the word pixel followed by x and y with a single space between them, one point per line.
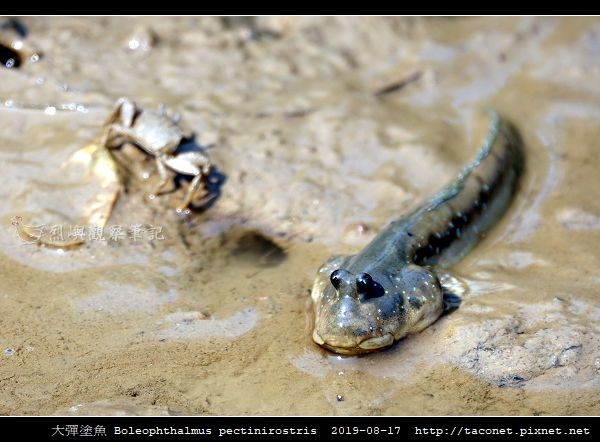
pixel 215 317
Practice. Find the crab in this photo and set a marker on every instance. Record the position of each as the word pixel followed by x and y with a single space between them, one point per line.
pixel 158 134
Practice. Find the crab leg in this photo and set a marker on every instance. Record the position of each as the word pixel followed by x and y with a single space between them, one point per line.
pixel 192 189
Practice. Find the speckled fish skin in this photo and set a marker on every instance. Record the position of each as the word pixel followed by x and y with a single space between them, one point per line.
pixel 390 288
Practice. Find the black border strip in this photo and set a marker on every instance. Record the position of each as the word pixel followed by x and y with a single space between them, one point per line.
pixel 300 428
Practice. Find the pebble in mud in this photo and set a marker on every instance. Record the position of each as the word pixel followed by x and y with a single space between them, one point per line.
pixel 358 233
pixel 142 39
pixel 339 398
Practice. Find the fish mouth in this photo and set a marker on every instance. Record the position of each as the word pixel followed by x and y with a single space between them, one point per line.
pixel 366 346
pixel 377 343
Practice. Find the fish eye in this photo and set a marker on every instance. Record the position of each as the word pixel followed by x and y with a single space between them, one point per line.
pixel 336 278
pixel 368 287
pixel 363 282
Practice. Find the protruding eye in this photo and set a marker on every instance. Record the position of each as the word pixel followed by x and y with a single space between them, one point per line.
pixel 336 278
pixel 363 282
pixel 368 287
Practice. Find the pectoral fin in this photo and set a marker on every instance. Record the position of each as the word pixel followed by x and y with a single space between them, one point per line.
pixel 453 290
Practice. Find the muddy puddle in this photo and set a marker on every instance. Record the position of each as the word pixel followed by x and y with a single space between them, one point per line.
pixel 322 130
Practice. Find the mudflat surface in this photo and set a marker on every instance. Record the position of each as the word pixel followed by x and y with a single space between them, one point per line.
pixel 324 130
